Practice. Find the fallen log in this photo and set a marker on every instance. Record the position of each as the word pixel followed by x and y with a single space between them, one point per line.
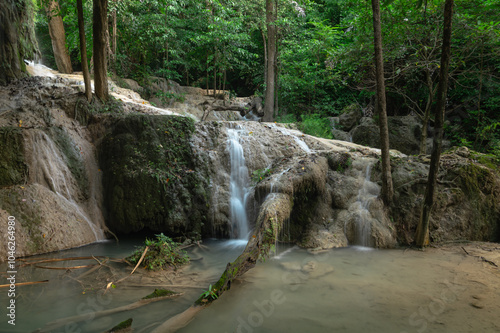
pixel 274 211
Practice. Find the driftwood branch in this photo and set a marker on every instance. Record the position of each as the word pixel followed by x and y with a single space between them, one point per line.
pixel 23 283
pixel 50 327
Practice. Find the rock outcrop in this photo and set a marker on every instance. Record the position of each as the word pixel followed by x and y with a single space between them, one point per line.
pixel 67 166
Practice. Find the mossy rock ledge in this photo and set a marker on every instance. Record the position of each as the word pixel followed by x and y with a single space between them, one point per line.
pixel 150 178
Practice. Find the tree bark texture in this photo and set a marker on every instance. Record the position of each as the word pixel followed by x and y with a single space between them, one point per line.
pixel 83 51
pixel 271 17
pixel 100 17
pixel 422 234
pixel 387 188
pixel 17 39
pixel 58 37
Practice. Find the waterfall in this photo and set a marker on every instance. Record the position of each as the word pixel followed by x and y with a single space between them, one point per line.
pixel 368 192
pixel 297 140
pixel 238 186
pixel 51 171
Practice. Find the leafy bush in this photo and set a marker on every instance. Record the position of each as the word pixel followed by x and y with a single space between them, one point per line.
pixel 314 124
pixel 286 119
pixel 163 253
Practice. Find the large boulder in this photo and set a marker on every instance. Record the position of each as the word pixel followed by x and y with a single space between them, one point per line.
pixel 467 205
pixel 404 134
pixel 350 117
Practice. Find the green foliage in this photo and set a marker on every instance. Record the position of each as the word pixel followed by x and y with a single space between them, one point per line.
pixel 325 57
pixel 286 119
pixel 163 253
pixel 209 295
pixel 261 174
pixel 314 124
pixel 165 97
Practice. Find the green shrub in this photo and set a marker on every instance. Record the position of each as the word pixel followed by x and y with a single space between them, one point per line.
pixel 163 253
pixel 314 124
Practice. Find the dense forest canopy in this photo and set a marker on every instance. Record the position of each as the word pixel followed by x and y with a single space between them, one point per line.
pixel 324 54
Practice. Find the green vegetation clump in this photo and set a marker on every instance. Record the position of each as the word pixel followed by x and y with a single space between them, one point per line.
pixel 261 174
pixel 316 125
pixel 162 253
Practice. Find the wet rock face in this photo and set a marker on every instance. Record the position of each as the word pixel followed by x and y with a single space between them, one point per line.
pixel 467 204
pixel 149 176
pixel 49 178
pixel 350 117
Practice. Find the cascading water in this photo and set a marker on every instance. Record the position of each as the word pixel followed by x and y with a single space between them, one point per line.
pixel 54 172
pixel 368 192
pixel 297 140
pixel 238 186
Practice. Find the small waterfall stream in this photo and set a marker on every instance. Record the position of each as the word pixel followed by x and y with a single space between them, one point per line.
pixel 368 192
pixel 297 140
pixel 238 186
pixel 51 169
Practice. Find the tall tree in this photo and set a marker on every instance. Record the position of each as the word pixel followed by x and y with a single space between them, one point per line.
pixel 271 16
pixel 83 51
pixel 100 18
pixel 58 37
pixel 387 189
pixel 422 234
pixel 17 39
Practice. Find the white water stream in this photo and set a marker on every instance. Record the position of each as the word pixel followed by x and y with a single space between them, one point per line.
pixel 368 192
pixel 297 140
pixel 238 186
pixel 51 169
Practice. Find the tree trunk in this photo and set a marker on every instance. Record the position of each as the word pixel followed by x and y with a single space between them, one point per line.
pixel 427 114
pixel 83 51
pixel 387 189
pixel 264 42
pixel 17 39
pixel 58 37
pixel 422 234
pixel 114 47
pixel 100 59
pixel 271 17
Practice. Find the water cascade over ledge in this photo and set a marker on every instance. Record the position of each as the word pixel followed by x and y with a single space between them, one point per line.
pixel 238 187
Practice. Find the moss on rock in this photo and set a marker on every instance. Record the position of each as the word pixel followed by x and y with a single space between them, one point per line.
pixel 149 176
pixel 13 169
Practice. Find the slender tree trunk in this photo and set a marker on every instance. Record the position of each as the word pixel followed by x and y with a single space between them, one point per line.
pixel 271 17
pixel 83 51
pixel 422 234
pixel 58 37
pixel 224 81
pixel 100 59
pixel 215 76
pixel 427 113
pixel 114 47
pixel 265 53
pixel 208 79
pixel 387 189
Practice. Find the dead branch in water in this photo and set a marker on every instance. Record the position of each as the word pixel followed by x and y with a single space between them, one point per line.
pixel 75 319
pixel 65 268
pixel 140 260
pixel 23 283
pixel 28 262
